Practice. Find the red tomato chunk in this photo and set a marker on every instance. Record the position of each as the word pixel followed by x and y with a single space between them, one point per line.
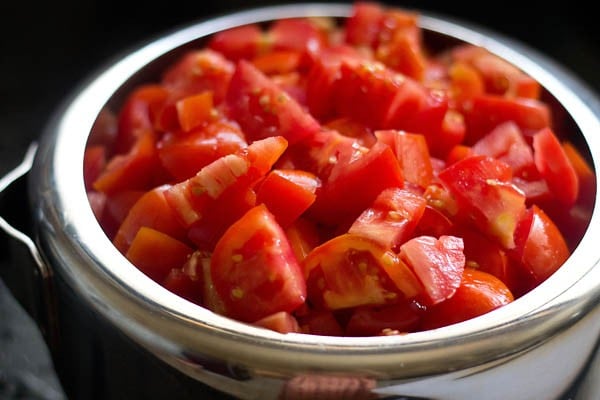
pixel 340 179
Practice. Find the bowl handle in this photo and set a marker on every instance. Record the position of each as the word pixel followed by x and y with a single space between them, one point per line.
pixel 22 267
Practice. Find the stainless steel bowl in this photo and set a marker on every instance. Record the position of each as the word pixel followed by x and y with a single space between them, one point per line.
pixel 551 331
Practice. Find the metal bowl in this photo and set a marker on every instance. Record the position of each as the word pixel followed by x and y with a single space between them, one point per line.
pixel 552 330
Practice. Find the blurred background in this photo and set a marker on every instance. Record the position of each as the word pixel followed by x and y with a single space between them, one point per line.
pixel 47 49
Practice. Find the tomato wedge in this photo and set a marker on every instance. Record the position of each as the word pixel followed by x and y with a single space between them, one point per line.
pixel 254 270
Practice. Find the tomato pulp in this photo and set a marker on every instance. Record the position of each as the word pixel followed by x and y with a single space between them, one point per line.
pixel 340 178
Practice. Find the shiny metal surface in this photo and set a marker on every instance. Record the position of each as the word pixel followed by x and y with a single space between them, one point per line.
pixel 558 319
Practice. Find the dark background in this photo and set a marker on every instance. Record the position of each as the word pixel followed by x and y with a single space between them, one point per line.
pixel 48 48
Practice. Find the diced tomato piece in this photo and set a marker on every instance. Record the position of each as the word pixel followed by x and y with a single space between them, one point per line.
pixel 354 129
pixel 254 269
pixel 351 270
pixel 585 174
pixel 150 210
pixel 433 223
pixel 465 82
pixel 277 62
pixel 240 42
pixel 263 109
pixel 478 294
pixel 412 153
pixel 195 110
pixel 287 194
pixel 199 71
pixel 555 167
pixel 364 24
pixel 135 118
pixel 352 188
pixel 483 189
pixel 438 263
pixel 135 170
pixel 392 218
pixel 485 112
pixel 506 143
pixel 322 77
pixel 500 77
pixel 180 283
pixel 303 236
pixel 184 155
pixel 541 248
pixel 97 202
pixel 321 322
pixel 281 321
pixel 156 253
pixel 296 34
pixel 384 320
pixel 94 161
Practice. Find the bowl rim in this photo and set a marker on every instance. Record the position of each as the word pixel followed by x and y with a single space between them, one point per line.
pixel 76 247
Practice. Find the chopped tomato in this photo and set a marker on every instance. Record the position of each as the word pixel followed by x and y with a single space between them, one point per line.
pixel 384 320
pixel 555 167
pixel 150 210
pixel 478 294
pixel 254 270
pixel 351 188
pixel 199 71
pixel 483 189
pixel 542 248
pixel 241 42
pixel 341 176
pixel 412 153
pixel 184 155
pixel 287 194
pixel 281 321
pixel 438 263
pixel 156 253
pixel 351 270
pixel 392 218
pixel 131 171
pixel 263 109
pixel 485 112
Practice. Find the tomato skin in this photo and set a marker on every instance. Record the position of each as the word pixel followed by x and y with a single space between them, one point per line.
pixel 254 270
pixel 156 253
pixel 438 263
pixel 555 167
pixel 478 294
pixel 320 322
pixel 263 109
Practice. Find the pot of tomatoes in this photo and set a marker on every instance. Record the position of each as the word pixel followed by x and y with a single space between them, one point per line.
pixel 316 202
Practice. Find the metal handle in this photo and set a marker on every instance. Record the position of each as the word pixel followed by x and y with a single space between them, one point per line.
pixel 24 270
